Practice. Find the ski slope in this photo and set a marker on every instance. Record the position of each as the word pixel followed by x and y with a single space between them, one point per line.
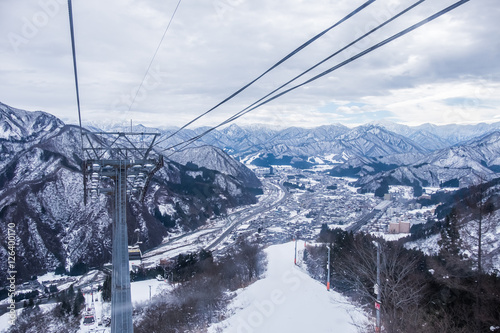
pixel 288 300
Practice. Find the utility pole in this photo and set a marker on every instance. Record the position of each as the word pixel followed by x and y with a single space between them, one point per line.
pixel 119 163
pixel 377 288
pixel 328 274
pixel 295 259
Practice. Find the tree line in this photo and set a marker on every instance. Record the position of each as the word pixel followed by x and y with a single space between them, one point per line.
pixel 420 293
pixel 65 316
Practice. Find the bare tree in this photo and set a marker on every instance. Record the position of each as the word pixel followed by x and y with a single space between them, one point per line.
pixel 476 215
pixel 401 287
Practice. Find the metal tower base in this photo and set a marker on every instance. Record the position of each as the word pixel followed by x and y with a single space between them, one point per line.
pixel 121 301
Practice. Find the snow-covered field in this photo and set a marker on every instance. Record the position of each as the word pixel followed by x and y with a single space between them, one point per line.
pixel 288 300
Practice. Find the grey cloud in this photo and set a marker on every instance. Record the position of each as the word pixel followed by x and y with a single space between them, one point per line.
pixel 215 47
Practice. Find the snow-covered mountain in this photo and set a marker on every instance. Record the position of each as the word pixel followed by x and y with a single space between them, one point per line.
pixel 23 126
pixel 375 141
pixel 21 129
pixel 440 136
pixel 41 192
pixel 470 163
pixel 380 142
pixel 331 145
pixel 213 158
pixel 455 134
pixel 427 155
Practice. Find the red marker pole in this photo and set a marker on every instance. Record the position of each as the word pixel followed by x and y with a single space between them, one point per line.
pixel 378 302
pixel 328 274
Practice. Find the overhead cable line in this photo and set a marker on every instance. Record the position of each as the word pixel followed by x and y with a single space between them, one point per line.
pixel 288 56
pixel 305 72
pixel 70 10
pixel 154 56
pixel 331 56
pixel 328 71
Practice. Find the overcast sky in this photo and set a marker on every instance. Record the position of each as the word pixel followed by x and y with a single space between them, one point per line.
pixel 448 71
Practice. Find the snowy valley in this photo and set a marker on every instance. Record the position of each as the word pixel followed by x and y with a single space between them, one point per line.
pixel 235 230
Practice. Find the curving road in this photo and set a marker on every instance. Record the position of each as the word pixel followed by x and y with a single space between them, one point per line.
pixel 250 213
pixel 274 195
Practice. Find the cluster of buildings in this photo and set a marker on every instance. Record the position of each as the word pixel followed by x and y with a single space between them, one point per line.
pixel 401 213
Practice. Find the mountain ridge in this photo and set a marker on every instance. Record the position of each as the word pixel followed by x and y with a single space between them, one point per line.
pixel 371 152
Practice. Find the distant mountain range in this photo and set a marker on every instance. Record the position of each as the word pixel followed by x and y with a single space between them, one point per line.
pixel 376 153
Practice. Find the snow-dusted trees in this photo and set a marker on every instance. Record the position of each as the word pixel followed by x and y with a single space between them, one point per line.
pixel 106 289
pixel 470 226
pixel 477 222
pixel 418 293
pixel 64 317
pixel 451 260
pixel 466 254
pixel 201 294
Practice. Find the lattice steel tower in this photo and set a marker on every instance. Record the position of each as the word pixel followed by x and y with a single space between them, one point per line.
pixel 120 164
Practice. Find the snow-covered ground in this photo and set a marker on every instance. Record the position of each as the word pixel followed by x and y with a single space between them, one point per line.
pixel 429 246
pixel 288 300
pixel 140 290
pixel 389 237
pixel 5 321
pixel 405 191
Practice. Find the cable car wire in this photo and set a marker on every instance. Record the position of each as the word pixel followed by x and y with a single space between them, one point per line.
pixel 154 56
pixel 188 142
pixel 72 33
pixel 288 56
pixel 332 55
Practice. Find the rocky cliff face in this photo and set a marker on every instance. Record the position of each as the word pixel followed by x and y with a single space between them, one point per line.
pixel 41 192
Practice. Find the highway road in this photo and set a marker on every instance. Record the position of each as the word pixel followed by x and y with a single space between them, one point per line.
pixel 355 227
pixel 249 214
pixel 362 221
pixel 274 195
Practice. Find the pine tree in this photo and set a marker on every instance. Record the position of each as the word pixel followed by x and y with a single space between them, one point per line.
pixel 71 292
pixel 79 303
pixel 450 236
pixel 66 306
pixel 106 289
